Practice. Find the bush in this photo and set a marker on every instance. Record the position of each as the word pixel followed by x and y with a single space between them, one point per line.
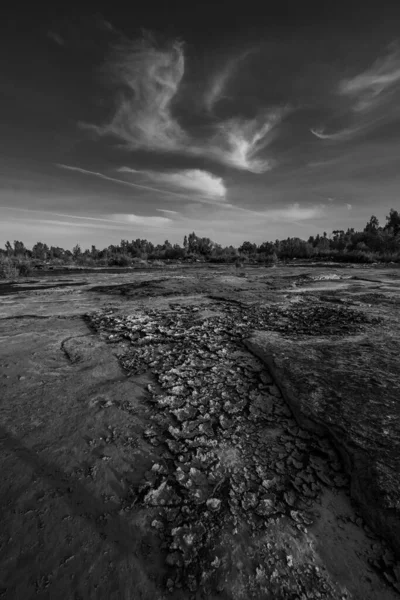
pixel 8 269
pixel 119 260
pixel 271 259
pixel 86 261
pixel 25 268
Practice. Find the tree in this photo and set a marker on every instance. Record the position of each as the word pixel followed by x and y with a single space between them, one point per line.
pixel 56 252
pixel 248 248
pixel 19 248
pixel 266 248
pixel 192 243
pixel 76 251
pixel 372 225
pixel 393 221
pixel 40 251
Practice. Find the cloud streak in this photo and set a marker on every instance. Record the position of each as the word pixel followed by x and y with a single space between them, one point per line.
pixel 291 213
pixel 193 180
pixel 343 134
pixel 372 96
pixel 140 220
pixel 56 37
pixel 219 82
pixel 121 218
pixel 215 92
pixel 167 212
pixel 369 88
pixel 155 176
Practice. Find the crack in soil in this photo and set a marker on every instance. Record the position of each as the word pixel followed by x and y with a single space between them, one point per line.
pixel 237 483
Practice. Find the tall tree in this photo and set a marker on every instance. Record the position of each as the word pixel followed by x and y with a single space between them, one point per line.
pixel 40 251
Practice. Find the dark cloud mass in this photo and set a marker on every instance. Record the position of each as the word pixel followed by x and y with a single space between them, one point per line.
pixel 267 121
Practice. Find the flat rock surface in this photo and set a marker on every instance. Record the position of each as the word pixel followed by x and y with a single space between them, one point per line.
pixel 349 386
pixel 149 449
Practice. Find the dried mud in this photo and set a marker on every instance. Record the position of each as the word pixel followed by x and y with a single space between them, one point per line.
pixel 148 451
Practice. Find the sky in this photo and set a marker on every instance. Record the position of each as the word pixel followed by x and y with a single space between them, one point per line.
pixel 238 123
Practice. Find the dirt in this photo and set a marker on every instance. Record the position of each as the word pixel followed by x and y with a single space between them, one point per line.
pixel 147 453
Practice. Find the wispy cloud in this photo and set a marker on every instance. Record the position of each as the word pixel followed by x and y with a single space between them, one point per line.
pixel 56 38
pixel 344 134
pixel 167 212
pixel 123 181
pixel 239 141
pixel 219 81
pixel 121 218
pixel 369 88
pixel 291 213
pixel 194 180
pixel 216 89
pixel 372 96
pixel 190 180
pixel 149 78
pixel 140 220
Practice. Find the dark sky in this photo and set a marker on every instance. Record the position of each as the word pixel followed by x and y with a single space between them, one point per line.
pixel 254 122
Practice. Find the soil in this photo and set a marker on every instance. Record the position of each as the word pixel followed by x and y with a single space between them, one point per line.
pixel 161 435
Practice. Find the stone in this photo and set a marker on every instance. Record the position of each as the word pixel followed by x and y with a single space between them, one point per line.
pixel 213 504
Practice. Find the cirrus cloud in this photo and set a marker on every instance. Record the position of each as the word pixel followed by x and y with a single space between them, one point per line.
pixel 369 88
pixel 343 134
pixel 239 141
pixel 148 78
pixel 140 220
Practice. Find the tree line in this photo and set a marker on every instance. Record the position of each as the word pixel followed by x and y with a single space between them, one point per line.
pixel 374 243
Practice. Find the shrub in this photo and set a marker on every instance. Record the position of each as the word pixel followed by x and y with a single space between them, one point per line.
pixel 25 268
pixel 271 259
pixel 8 270
pixel 119 260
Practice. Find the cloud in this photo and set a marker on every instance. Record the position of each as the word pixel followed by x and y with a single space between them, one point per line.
pixel 238 141
pixel 167 212
pixel 215 91
pixel 191 180
pixel 140 220
pixel 291 213
pixel 219 81
pixel 56 37
pixel 370 95
pixel 122 181
pixel 368 89
pixel 295 212
pixel 148 78
pixel 344 134
pixel 113 218
pixel 195 180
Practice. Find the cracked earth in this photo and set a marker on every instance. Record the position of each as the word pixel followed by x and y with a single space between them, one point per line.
pixel 147 453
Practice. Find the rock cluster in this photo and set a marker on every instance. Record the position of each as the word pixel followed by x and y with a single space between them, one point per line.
pixel 234 470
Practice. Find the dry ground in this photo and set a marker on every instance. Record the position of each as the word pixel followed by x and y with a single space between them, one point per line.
pixel 146 452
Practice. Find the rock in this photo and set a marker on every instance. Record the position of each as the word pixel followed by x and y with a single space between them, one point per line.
pixel 213 504
pixel 340 402
pixel 230 435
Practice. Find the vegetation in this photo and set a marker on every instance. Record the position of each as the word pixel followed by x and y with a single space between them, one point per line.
pixel 374 244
